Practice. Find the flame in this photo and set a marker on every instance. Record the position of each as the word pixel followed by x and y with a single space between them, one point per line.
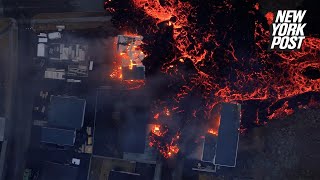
pixel 213 132
pixel 270 17
pixel 157 131
pixel 116 73
pixel 167 150
pixel 217 71
pixel 216 124
pixel 166 111
pixel 156 116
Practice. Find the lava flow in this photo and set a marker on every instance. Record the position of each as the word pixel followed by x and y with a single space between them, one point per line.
pixel 208 52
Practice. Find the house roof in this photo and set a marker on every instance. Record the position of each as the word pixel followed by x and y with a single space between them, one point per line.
pixel 133 131
pixel 228 136
pixel 131 57
pixel 2 128
pixel 136 73
pixel 58 136
pixel 55 171
pixel 121 123
pixel 121 175
pixel 209 148
pixel 66 112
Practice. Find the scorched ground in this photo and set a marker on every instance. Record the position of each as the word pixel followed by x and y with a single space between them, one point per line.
pixel 200 53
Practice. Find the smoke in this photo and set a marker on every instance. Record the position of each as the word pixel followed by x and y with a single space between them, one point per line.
pixel 201 53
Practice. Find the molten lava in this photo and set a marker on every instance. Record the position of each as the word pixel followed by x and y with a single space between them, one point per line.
pixel 157 139
pixel 210 52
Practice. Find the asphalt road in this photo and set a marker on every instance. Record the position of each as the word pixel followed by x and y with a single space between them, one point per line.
pixel 25 85
pixel 29 8
pixel 21 107
pixel 1 8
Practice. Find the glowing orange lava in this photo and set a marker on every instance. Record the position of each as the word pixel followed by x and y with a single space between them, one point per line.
pixel 262 75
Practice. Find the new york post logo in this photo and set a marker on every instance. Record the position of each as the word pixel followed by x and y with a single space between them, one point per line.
pixel 287 30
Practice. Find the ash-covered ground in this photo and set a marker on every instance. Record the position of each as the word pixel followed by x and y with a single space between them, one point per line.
pixel 285 148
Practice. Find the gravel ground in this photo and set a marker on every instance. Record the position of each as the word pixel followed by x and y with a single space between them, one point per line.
pixel 287 148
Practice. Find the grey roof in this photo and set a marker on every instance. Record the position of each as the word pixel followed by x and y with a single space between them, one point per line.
pixel 58 136
pixel 136 73
pixel 209 148
pixel 2 128
pixel 121 175
pixel 228 136
pixel 55 171
pixel 111 138
pixel 66 112
pixel 133 131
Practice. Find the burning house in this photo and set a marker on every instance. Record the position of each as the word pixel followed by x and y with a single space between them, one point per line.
pixel 121 135
pixel 221 149
pixel 228 136
pixel 207 61
pixel 126 132
pixel 131 57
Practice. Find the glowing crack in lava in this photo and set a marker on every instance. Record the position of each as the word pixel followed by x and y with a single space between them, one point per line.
pixel 211 52
pixel 159 132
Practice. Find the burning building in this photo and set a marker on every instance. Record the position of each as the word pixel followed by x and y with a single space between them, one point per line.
pixel 210 53
pixel 228 136
pixel 220 149
pixel 131 57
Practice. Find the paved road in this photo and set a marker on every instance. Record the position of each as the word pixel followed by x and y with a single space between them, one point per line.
pixel 30 8
pixel 21 107
pixel 24 86
pixel 1 8
pixel 8 78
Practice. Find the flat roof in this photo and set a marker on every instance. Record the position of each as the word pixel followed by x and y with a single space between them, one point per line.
pixel 131 57
pixel 55 171
pixel 66 112
pixel 2 98
pixel 112 138
pixel 228 135
pixel 136 73
pixel 121 175
pixel 2 128
pixel 133 130
pixel 58 136
pixel 209 148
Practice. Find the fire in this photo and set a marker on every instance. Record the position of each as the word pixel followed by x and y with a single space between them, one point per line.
pixel 269 16
pixel 213 132
pixel 128 57
pixel 207 61
pixel 116 73
pixel 159 12
pixel 215 127
pixel 166 111
pixel 281 112
pixel 173 150
pixel 156 116
pixel 157 131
